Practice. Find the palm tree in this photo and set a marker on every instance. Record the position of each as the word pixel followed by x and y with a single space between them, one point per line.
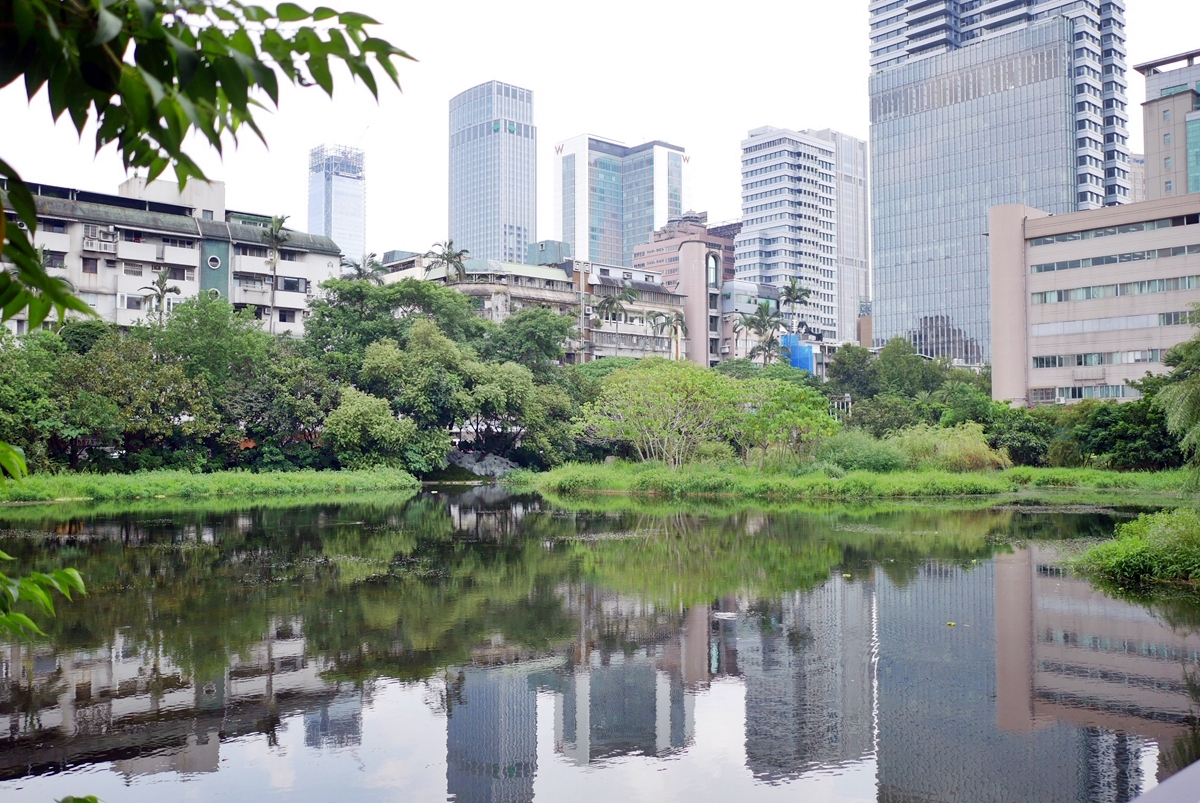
pixel 794 295
pixel 159 292
pixel 768 347
pixel 614 307
pixel 276 237
pixel 444 255
pixel 677 323
pixel 366 269
pixel 765 323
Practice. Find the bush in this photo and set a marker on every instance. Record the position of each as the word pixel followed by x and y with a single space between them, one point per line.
pixel 1155 547
pixel 856 450
pixel 715 452
pixel 960 448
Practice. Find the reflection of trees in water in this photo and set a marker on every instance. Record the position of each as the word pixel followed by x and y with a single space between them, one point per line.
pixel 401 589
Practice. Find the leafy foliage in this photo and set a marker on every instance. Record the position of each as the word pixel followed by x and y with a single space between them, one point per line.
pixel 36 589
pixel 1156 547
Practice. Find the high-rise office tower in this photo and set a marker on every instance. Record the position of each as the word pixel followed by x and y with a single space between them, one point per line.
pixel 976 104
pixel 337 197
pixel 853 229
pixel 1171 120
pixel 493 172
pixel 789 220
pixel 609 198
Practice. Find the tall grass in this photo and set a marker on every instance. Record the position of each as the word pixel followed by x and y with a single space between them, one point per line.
pixel 650 478
pixel 152 484
pixel 858 450
pixel 1155 547
pixel 960 448
pixel 1173 480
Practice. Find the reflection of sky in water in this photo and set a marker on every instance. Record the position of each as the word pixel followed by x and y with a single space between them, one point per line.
pixel 858 690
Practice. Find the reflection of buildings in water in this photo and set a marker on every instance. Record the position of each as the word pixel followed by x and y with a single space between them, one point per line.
pixel 806 660
pixel 139 710
pixel 632 704
pixel 491 735
pixel 337 723
pixel 1087 659
pixel 489 511
pixel 931 751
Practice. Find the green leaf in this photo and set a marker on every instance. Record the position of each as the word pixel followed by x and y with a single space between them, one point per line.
pixel 20 625
pixel 323 13
pixel 108 26
pixel 23 19
pixel 12 460
pixel 290 12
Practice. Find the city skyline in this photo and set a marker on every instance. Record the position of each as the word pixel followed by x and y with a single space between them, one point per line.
pixel 407 150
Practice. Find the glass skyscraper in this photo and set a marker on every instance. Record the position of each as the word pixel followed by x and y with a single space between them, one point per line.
pixel 609 198
pixel 337 197
pixel 493 172
pixel 977 104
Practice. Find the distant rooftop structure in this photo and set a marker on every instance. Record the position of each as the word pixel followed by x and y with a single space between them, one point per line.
pixel 1151 67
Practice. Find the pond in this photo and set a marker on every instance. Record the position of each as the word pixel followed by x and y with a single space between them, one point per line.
pixel 474 646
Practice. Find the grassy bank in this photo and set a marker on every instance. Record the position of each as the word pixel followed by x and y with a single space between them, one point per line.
pixel 647 478
pixel 154 484
pixel 1155 548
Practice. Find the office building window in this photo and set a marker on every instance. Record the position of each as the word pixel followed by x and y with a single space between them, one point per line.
pixel 1166 115
pixel 91 265
pixel 1167 162
pixel 1167 138
pixel 1169 186
pixel 287 316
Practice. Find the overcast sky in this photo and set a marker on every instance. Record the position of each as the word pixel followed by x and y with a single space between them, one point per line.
pixel 697 75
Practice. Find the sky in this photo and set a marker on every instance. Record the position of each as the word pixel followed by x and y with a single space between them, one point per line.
pixel 698 76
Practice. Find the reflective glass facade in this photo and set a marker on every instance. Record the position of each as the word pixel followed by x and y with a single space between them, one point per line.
pixel 337 197
pixel 624 195
pixel 975 104
pixel 493 172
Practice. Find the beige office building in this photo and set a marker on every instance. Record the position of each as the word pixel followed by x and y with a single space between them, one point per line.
pixel 1085 301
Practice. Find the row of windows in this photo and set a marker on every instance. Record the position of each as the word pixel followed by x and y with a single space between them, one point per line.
pixel 1086 392
pixel 1099 358
pixel 1113 259
pixel 1112 290
pixel 1120 323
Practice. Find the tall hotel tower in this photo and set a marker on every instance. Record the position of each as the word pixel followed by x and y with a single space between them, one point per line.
pixel 790 219
pixel 609 198
pixel 975 104
pixel 493 172
pixel 337 197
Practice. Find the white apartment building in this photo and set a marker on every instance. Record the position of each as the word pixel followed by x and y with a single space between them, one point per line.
pixel 111 248
pixel 790 220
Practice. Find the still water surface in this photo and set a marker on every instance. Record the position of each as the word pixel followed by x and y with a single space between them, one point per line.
pixel 478 647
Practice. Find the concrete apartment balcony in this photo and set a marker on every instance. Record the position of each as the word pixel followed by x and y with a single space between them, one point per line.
pixel 187 257
pixel 130 317
pixel 99 246
pixel 52 241
pixel 287 300
pixel 245 264
pixel 254 296
pixel 137 252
